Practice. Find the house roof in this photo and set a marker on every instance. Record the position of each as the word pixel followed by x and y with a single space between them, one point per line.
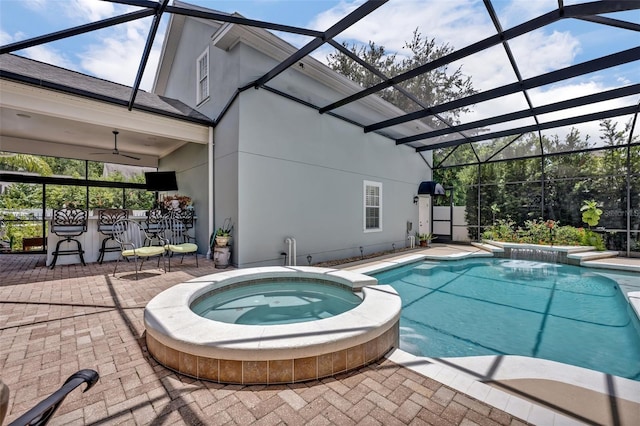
pixel 29 71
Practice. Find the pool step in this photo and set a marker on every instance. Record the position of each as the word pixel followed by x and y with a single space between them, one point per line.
pixel 488 247
pixel 618 263
pixel 585 256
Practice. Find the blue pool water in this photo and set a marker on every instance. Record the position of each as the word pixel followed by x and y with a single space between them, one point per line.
pixel 515 307
pixel 272 303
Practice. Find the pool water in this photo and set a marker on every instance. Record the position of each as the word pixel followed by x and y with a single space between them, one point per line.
pixel 276 303
pixel 515 307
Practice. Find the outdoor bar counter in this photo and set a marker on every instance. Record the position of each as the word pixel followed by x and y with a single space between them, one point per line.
pixel 91 242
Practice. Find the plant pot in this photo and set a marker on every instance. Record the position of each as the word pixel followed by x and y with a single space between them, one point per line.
pixel 222 241
pixel 423 244
pixel 221 256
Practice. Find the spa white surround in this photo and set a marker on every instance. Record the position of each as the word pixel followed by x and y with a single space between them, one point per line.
pixel 284 353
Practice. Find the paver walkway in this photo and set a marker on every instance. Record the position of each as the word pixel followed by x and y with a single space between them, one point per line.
pixel 55 322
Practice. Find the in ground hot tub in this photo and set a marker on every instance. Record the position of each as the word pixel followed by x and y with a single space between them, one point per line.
pixel 276 348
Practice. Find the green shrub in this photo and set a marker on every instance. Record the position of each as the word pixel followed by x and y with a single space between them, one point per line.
pixel 503 230
pixel 537 231
pixel 590 238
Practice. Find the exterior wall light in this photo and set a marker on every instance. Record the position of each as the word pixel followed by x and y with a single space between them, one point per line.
pixel 415 199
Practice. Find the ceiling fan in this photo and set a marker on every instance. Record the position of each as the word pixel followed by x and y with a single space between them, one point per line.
pixel 115 148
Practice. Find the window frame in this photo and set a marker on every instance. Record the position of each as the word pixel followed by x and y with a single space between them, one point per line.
pixel 378 185
pixel 199 78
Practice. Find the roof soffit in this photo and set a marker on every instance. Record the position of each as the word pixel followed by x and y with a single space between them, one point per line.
pixel 66 106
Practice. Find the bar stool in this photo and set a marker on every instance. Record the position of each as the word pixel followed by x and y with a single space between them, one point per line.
pixel 106 219
pixel 68 223
pixel 186 216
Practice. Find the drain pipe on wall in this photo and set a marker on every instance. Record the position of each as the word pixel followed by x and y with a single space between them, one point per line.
pixel 291 254
pixel 211 190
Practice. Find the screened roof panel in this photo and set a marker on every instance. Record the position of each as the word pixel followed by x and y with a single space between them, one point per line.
pixel 439 155
pixel 496 107
pixel 570 138
pixel 488 69
pixel 511 14
pixel 586 135
pixel 491 148
pixel 522 147
pixel 463 154
pixel 571 56
pixel 591 108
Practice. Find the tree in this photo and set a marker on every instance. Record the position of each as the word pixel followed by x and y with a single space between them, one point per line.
pixel 24 162
pixel 434 87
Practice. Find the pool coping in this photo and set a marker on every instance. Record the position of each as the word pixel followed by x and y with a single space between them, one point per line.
pixel 468 374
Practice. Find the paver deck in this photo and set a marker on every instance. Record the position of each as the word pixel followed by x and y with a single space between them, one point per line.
pixel 55 322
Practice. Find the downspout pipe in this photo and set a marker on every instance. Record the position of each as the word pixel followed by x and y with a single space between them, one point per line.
pixel 291 253
pixel 211 189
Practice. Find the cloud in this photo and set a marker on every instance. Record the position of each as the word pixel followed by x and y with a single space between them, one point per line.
pixel 112 53
pixel 51 56
pixel 42 53
pixel 87 10
pixel 117 56
pixel 35 5
pixel 6 38
pixel 394 23
pixel 518 11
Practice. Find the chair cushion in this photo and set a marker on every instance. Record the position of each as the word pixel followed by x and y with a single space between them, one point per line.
pixel 144 251
pixel 182 248
pixel 67 229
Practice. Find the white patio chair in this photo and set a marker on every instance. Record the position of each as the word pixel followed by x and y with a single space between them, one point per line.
pixel 135 243
pixel 177 240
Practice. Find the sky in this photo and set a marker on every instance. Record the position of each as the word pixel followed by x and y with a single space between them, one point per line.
pixel 114 53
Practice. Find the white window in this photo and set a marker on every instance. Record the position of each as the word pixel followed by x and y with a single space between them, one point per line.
pixel 372 206
pixel 202 67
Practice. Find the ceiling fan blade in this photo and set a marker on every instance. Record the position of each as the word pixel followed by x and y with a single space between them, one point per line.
pixel 115 149
pixel 130 156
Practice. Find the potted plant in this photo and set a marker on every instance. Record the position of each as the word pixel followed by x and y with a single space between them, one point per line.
pixel 176 202
pixel 425 239
pixel 223 234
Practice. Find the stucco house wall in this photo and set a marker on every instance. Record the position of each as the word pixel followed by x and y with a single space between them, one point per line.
pixel 226 174
pixel 190 164
pixel 301 175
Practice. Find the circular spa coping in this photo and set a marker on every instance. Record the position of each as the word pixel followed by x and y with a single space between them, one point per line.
pixel 262 354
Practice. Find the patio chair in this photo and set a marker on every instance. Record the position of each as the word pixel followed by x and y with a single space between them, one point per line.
pixel 106 219
pixel 135 243
pixel 177 240
pixel 68 223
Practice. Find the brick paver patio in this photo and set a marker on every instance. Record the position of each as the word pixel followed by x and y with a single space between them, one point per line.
pixel 55 322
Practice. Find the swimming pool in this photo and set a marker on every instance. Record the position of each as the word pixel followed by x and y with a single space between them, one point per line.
pixel 514 307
